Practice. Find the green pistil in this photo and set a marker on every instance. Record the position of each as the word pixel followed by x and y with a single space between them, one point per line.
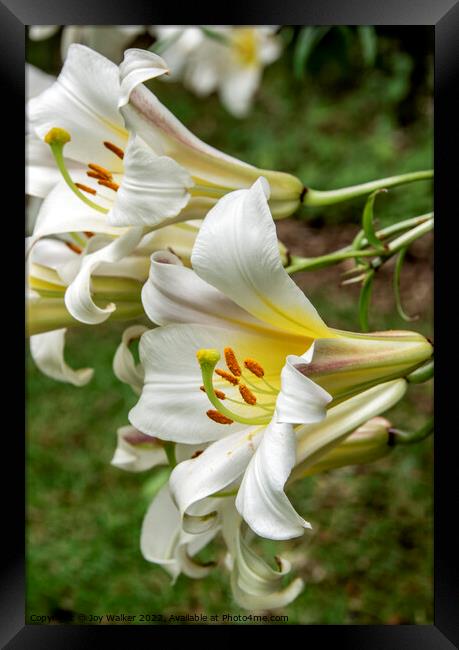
pixel 57 139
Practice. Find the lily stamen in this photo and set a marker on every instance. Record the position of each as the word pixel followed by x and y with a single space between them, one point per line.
pixel 101 171
pixel 114 149
pixel 231 362
pixel 218 417
pixel 247 395
pixel 227 375
pixel 109 184
pixel 208 359
pixel 85 188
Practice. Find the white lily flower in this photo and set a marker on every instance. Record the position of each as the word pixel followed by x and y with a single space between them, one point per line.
pixel 227 59
pixel 165 174
pixel 239 300
pixel 109 40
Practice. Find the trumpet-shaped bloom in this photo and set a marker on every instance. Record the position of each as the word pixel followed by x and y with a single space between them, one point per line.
pixel 239 305
pixel 226 59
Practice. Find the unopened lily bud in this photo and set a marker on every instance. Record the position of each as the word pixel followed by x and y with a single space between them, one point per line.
pixel 137 452
pixel 365 445
pixel 350 363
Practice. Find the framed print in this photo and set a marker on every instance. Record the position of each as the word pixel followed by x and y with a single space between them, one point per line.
pixel 230 323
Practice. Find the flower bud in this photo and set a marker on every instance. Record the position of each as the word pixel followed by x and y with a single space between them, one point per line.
pixel 365 445
pixel 350 363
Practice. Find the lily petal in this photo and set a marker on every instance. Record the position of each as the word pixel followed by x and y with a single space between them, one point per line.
pixel 124 366
pixel 87 110
pixel 153 190
pixel 254 583
pixel 261 499
pixel 299 401
pixel 175 294
pixel 78 298
pixel 162 536
pixel 138 66
pixel 237 252
pixel 137 452
pixel 47 351
pixel 219 465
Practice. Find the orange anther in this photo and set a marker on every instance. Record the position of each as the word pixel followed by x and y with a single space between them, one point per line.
pixel 231 362
pixel 228 376
pixel 85 188
pixel 247 395
pixel 219 393
pixel 101 170
pixel 116 150
pixel 254 367
pixel 218 417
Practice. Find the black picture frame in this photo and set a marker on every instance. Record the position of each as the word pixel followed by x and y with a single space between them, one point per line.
pixel 443 15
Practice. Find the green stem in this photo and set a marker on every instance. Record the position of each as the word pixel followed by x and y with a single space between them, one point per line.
pixel 312 263
pixel 318 198
pixel 412 437
pixel 169 448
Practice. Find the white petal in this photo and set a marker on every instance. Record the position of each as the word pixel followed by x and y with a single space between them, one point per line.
pixel 255 585
pixel 138 66
pixel 261 499
pixel 63 212
pixel 175 294
pixel 172 406
pixel 47 351
pixel 52 253
pixel 214 469
pixel 236 251
pixel 162 536
pixel 83 101
pixel 137 452
pixel 78 298
pixel 40 32
pixel 37 81
pixel 238 88
pixel 300 401
pixel 124 365
pixel 153 189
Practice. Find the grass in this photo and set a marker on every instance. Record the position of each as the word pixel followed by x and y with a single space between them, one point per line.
pixel 369 559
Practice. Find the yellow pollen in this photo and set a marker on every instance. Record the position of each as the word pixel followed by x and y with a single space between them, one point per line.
pixel 218 417
pixel 231 362
pixel 247 395
pixel 73 247
pixel 85 188
pixel 101 170
pixel 57 136
pixel 110 184
pixel 228 376
pixel 114 149
pixel 254 367
pixel 219 393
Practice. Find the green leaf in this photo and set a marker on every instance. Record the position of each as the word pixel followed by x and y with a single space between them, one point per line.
pixel 396 285
pixel 364 300
pixel 367 223
pixel 368 43
pixel 307 40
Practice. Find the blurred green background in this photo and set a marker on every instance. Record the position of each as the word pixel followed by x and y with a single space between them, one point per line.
pixel 347 118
